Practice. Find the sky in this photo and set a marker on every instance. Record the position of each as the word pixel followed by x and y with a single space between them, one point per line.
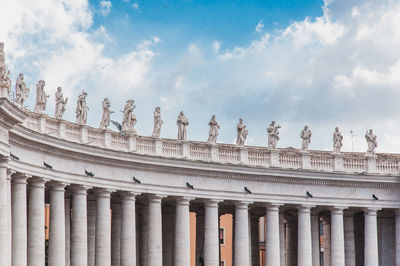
pixel 321 63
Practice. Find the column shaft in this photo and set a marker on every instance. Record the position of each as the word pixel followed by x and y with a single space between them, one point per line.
pixel 103 229
pixel 199 238
pixel 57 226
pixel 79 244
pixel 182 233
pixel 315 238
pixel 116 233
pixel 255 241
pixel 282 231
pixel 349 240
pixel 4 233
pixel 304 253
pixel 128 230
pixel 337 238
pixel 155 232
pixel 326 235
pixel 9 219
pixel 19 221
pixel 371 238
pixel 144 235
pixel 397 237
pixel 272 247
pixel 211 234
pixel 36 230
pixel 291 241
pixel 67 205
pixel 91 229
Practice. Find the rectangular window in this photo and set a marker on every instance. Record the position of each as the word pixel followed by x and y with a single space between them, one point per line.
pixel 222 236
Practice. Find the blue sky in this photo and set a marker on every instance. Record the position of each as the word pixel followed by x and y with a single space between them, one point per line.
pixel 321 63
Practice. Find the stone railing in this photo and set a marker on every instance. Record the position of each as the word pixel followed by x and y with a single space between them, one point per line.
pixel 288 158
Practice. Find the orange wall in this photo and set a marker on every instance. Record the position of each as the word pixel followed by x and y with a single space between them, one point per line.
pixel 226 249
pixel 193 239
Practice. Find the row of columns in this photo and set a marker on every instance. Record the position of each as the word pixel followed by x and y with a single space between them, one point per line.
pixel 76 238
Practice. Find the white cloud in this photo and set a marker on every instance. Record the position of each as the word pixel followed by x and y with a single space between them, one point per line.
pixel 260 26
pixel 135 6
pixel 105 7
pixel 216 46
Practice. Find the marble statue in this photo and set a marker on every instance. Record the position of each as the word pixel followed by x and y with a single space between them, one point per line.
pixel 81 109
pixel 21 91
pixel 182 122
pixel 41 97
pixel 273 135
pixel 157 122
pixel 129 120
pixel 60 104
pixel 213 133
pixel 105 120
pixel 241 133
pixel 305 135
pixel 5 81
pixel 372 143
pixel 337 140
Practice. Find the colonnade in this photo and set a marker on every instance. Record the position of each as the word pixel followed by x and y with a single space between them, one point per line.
pixel 103 227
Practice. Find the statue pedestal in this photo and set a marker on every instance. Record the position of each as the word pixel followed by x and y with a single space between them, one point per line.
pixel 338 162
pixel 4 91
pixel 274 158
pixel 305 160
pixel 371 163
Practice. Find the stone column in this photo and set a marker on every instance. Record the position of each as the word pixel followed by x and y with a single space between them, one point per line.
pixel 349 240
pixel 182 232
pixel 57 225
pixel 291 240
pixel 326 236
pixel 19 220
pixel 199 236
pixel 103 228
pixel 36 230
pixel 337 237
pixel 144 235
pixel 9 215
pixel 272 248
pixel 67 206
pixel 315 237
pixel 79 244
pixel 241 240
pixel 282 248
pixel 370 237
pixel 4 233
pixel 255 241
pixel 91 229
pixel 304 253
pixel 128 230
pixel 397 237
pixel 155 232
pixel 116 217
pixel 211 234
pixel 168 234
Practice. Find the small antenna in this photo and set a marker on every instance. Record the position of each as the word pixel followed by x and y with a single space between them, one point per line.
pixel 352 135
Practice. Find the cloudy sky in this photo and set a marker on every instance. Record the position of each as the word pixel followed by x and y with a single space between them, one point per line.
pixel 321 63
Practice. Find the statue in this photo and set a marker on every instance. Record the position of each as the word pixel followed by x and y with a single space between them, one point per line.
pixel 129 120
pixel 105 120
pixel 81 109
pixel 21 91
pixel 182 122
pixel 213 133
pixel 241 133
pixel 157 122
pixel 305 135
pixel 41 97
pixel 337 140
pixel 60 104
pixel 273 135
pixel 372 143
pixel 5 81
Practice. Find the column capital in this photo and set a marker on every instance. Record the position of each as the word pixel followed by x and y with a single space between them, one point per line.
pixel 183 200
pixel 242 204
pixel 337 210
pixel 103 192
pixel 10 172
pixel 155 198
pixel 129 195
pixel 211 203
pixel 79 189
pixel 37 182
pixel 305 208
pixel 57 186
pixel 371 211
pixel 273 206
pixel 20 178
pixel 4 161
